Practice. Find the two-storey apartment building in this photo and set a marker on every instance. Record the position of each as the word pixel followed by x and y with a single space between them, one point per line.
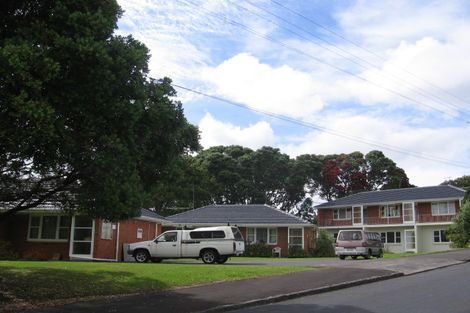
pixel 408 220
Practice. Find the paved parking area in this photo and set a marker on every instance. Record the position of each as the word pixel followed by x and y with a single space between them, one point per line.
pixel 405 265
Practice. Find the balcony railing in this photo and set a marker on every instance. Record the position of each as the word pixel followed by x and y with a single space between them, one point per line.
pixel 420 218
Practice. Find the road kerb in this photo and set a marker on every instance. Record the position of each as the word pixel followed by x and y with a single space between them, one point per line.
pixel 301 293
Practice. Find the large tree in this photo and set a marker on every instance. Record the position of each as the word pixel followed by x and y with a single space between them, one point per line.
pixel 462 182
pixel 82 125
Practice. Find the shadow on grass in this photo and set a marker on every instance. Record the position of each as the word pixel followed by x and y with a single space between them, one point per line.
pixel 43 289
pixel 43 284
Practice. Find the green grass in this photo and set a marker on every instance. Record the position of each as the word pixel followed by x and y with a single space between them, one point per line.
pixel 34 281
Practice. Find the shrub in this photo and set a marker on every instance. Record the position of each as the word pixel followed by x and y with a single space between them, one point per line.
pixel 459 231
pixel 324 246
pixel 298 252
pixel 7 252
pixel 258 249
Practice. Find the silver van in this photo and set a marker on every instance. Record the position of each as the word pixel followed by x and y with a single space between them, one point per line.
pixel 358 243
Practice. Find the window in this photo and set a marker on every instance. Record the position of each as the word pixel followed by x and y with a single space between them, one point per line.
pixel 342 214
pixel 440 236
pixel 350 235
pixel 391 237
pixel 106 230
pixel 168 237
pixel 296 237
pixel 207 234
pixel 49 227
pixel 262 235
pixel 390 210
pixel 237 234
pixel 443 208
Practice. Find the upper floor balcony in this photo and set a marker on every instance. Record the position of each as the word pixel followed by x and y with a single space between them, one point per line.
pixel 421 218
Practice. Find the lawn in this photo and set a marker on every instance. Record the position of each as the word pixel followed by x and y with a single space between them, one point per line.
pixel 35 281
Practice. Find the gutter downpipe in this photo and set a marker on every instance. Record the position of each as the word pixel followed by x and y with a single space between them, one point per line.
pixel 117 242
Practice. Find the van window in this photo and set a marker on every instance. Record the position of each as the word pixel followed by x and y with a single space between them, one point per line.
pixel 350 235
pixel 207 234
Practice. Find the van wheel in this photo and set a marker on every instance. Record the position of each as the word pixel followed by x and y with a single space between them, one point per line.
pixel 354 257
pixel 342 257
pixel 141 256
pixel 208 256
pixel 222 259
pixel 381 254
pixel 368 255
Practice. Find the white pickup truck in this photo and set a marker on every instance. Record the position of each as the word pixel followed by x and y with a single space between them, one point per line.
pixel 211 244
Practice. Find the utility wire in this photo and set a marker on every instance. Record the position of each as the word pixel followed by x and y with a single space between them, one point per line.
pixel 330 131
pixel 415 88
pixel 370 51
pixel 254 32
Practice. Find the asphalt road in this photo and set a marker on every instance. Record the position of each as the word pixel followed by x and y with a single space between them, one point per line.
pixel 440 291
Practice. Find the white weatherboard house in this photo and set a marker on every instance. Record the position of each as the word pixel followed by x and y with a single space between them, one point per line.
pixel 408 219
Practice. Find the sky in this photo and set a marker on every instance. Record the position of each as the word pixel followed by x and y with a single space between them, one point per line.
pixel 319 77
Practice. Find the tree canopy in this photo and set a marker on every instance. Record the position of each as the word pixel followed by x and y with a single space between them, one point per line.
pixel 82 125
pixel 462 182
pixel 235 174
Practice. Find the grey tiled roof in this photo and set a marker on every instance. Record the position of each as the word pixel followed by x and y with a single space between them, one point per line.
pixel 404 194
pixel 150 214
pixel 236 214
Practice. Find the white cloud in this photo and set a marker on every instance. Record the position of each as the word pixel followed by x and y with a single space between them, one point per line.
pixel 214 133
pixel 444 143
pixel 281 90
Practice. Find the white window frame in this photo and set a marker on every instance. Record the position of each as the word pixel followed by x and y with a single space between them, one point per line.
pixel 57 229
pixel 386 210
pixel 106 230
pixel 268 231
pixel 440 236
pixel 347 214
pixel 289 237
pixel 394 237
pixel 449 208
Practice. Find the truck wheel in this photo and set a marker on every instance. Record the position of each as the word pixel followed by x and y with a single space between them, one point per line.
pixel 208 256
pixel 342 257
pixel 141 256
pixel 354 257
pixel 222 259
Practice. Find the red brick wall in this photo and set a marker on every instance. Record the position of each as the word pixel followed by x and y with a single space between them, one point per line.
pixel 15 230
pixel 325 214
pixel 373 211
pixel 104 248
pixel 128 232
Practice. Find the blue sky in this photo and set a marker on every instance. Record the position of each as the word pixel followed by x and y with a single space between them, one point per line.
pixel 388 75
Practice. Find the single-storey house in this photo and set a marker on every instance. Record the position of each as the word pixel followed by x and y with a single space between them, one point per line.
pixel 47 233
pixel 408 219
pixel 258 224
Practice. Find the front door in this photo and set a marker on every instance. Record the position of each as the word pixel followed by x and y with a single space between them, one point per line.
pixel 166 245
pixel 408 212
pixel 357 215
pixel 81 237
pixel 410 240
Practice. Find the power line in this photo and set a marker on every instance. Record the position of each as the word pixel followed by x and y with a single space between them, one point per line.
pixel 369 51
pixel 330 131
pixel 416 89
pixel 250 30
